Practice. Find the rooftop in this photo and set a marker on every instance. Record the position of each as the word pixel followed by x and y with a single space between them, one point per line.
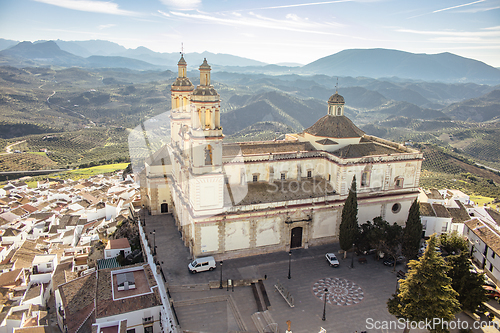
pixel 121 243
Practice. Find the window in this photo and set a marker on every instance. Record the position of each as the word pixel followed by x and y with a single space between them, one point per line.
pixel 283 176
pixel 364 178
pixel 445 227
pixel 208 155
pixel 49 265
pixel 132 330
pixel 491 267
pixel 255 178
pixel 399 182
pixel 329 177
pixel 396 208
pixel 309 174
pixel 492 255
pixel 148 329
pixel 424 225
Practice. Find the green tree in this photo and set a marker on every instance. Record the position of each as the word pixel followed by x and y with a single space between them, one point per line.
pixel 469 285
pixel 349 224
pixel 412 233
pixel 386 238
pixel 426 292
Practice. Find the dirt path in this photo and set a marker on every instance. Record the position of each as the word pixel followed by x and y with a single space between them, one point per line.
pixel 8 149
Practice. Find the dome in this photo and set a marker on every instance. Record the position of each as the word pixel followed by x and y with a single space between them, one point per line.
pixel 336 98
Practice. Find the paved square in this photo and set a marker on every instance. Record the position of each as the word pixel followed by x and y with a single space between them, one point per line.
pixel 355 298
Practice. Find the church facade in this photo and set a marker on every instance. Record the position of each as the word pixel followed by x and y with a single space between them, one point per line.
pixel 239 199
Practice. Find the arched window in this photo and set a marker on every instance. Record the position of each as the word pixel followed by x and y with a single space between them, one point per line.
pixel 208 155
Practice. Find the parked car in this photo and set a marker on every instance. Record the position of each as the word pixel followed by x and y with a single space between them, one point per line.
pixel 492 292
pixel 202 264
pixel 390 261
pixel 332 259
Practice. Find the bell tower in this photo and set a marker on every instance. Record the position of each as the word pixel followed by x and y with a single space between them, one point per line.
pixel 207 178
pixel 180 116
pixel 336 105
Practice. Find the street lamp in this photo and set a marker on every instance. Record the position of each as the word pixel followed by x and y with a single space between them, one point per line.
pixel 352 257
pixel 220 286
pixel 324 306
pixel 289 264
pixel 154 241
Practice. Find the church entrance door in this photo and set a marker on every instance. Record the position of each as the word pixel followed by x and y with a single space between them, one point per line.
pixel 296 238
pixel 164 208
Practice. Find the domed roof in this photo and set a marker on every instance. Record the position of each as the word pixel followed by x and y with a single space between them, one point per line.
pixel 336 98
pixel 338 127
pixel 182 84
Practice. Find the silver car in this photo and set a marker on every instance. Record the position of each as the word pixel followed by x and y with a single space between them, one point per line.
pixel 332 260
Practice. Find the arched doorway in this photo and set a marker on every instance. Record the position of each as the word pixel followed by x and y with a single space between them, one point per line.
pixel 296 237
pixel 164 208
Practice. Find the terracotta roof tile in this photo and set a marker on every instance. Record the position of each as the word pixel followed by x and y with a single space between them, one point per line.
pixel 440 210
pixel 426 209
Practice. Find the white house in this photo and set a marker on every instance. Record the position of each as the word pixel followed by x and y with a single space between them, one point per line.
pixel 484 244
pixel 116 247
pixel 134 309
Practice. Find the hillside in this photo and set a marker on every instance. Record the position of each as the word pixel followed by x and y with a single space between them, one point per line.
pixel 483 108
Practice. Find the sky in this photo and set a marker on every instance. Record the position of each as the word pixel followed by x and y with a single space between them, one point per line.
pixel 292 31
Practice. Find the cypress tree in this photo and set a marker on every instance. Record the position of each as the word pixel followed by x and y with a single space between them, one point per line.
pixel 426 293
pixel 349 223
pixel 412 233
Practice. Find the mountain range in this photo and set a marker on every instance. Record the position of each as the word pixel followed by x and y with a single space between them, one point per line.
pixel 372 63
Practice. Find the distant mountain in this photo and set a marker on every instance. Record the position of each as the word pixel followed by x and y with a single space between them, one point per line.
pixel 119 62
pixel 91 47
pixel 484 108
pixel 43 53
pixel 6 43
pixel 379 63
pixel 106 48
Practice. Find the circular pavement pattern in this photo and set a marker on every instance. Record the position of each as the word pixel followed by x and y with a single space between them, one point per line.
pixel 340 291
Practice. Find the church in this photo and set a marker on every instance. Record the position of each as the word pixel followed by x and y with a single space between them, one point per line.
pixel 239 199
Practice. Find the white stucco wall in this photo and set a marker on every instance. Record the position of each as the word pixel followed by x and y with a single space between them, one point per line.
pixel 237 235
pixel 268 232
pixel 209 238
pixel 325 224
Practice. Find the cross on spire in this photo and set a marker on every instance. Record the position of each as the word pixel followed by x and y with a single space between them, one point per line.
pixel 337 86
pixel 182 48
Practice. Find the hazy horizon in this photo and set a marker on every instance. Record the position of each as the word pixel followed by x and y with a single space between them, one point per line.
pixel 270 31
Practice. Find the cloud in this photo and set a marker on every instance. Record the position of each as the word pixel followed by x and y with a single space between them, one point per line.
pixel 489 33
pixel 164 14
pixel 182 4
pixel 478 9
pixel 449 8
pixel 453 7
pixel 105 26
pixel 291 23
pixel 305 4
pixel 92 6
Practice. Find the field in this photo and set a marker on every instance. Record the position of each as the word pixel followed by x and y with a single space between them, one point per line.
pixel 99 169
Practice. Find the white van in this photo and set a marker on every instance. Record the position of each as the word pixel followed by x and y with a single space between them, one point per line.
pixel 202 264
